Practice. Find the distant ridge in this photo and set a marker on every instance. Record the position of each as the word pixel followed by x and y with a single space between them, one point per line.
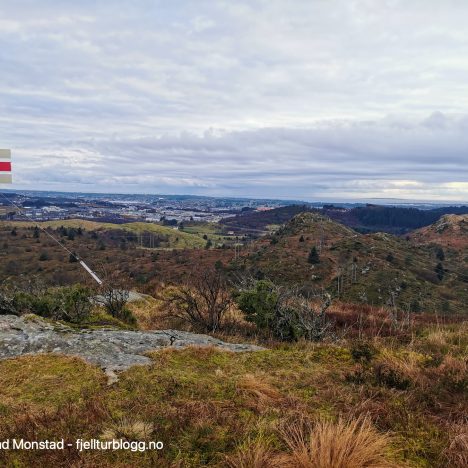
pixel 369 218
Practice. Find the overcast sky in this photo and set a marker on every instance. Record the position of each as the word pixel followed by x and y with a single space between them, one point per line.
pixel 313 99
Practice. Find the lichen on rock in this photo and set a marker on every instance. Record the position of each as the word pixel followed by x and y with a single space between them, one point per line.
pixel 113 350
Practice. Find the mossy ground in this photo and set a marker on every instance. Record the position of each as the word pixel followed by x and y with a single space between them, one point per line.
pixel 204 403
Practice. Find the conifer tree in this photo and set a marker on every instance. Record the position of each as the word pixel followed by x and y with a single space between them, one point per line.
pixel 313 256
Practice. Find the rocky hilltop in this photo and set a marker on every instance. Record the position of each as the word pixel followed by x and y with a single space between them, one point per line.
pixel 450 230
pixel 113 350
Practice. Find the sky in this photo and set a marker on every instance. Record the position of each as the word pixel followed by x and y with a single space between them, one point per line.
pixel 302 99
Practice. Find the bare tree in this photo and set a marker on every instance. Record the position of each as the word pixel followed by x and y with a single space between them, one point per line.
pixel 113 293
pixel 7 301
pixel 304 316
pixel 113 300
pixel 202 301
pixel 310 315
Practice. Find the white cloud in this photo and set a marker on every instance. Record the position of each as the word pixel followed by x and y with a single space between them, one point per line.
pixel 303 98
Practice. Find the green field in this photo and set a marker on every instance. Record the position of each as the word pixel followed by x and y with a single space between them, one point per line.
pixel 177 239
pixel 212 231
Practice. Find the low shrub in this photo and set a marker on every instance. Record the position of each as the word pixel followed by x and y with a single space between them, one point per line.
pixel 71 303
pixel 400 371
pixel 7 302
pixel 388 376
pixel 363 352
pixel 452 374
pixel 203 302
pixel 126 315
pixel 283 311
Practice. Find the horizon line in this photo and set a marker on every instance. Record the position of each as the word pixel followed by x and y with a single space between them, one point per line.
pixel 311 201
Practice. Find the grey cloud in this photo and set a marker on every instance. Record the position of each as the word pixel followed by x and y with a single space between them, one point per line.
pixel 344 159
pixel 306 99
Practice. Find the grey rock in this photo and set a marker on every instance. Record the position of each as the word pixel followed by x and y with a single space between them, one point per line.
pixel 113 350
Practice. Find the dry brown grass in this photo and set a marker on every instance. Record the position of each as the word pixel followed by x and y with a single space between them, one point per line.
pixel 70 421
pixel 341 444
pixel 260 393
pixel 214 408
pixel 365 321
pixel 453 372
pixel 438 338
pixel 149 315
pixel 128 429
pixel 253 454
pixel 408 363
pixel 456 453
pixel 411 371
pixel 400 372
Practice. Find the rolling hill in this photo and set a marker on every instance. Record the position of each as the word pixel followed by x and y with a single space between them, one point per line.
pixel 175 238
pixel 378 269
pixel 449 231
pixel 369 218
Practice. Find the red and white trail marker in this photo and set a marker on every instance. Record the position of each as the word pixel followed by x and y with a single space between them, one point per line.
pixel 5 166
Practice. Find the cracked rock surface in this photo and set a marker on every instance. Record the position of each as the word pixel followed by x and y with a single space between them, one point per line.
pixel 113 350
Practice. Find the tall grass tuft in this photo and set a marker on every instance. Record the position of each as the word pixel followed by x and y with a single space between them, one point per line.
pixel 253 454
pixel 456 453
pixel 260 393
pixel 128 429
pixel 341 444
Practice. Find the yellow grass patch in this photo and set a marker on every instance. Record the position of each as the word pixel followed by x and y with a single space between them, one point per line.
pixel 342 444
pixel 47 380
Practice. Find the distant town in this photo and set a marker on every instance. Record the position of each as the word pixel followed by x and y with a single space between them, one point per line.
pixel 117 208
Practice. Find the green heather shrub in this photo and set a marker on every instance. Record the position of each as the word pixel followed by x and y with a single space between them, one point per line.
pixel 363 352
pixel 259 304
pixel 126 315
pixel 387 374
pixel 76 304
pixel 71 303
pixel 283 311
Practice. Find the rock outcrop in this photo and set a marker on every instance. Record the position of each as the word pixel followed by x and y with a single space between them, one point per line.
pixel 113 350
pixel 450 230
